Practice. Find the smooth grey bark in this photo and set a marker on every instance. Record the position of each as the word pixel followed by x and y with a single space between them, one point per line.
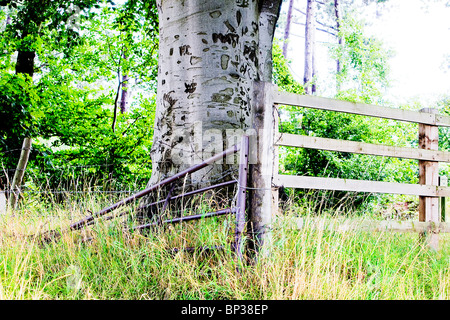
pixel 211 54
pixel 124 95
pixel 211 51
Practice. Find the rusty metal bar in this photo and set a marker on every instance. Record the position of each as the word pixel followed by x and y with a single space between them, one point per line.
pixel 166 203
pixel 241 197
pixel 187 194
pixel 193 249
pixel 114 216
pixel 169 196
pixel 191 193
pixel 81 223
pixel 187 218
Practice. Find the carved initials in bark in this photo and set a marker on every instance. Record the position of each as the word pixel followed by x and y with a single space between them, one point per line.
pixel 224 46
pixel 228 38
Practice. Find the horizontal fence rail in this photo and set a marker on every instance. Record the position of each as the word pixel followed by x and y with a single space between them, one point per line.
pixel 187 218
pixel 430 186
pixel 364 225
pixel 293 140
pixel 336 184
pixel 314 102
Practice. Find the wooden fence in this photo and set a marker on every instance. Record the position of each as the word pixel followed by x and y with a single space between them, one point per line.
pixel 429 189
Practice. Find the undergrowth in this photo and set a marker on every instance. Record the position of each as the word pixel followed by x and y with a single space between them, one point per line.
pixel 307 263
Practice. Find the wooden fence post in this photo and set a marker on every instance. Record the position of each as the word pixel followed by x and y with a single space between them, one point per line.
pixel 241 196
pixel 275 194
pixel 429 175
pixel 260 173
pixel 20 172
pixel 443 182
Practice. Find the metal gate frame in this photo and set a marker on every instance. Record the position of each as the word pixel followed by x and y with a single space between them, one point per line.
pixel 238 210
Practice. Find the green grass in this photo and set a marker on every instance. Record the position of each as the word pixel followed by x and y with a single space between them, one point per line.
pixel 301 264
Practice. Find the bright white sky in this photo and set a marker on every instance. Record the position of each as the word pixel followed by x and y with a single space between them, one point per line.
pixel 419 34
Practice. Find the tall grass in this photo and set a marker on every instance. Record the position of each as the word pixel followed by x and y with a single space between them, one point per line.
pixel 301 264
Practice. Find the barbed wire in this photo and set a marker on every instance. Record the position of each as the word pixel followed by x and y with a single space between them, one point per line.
pixel 74 192
pixel 19 149
pixel 219 177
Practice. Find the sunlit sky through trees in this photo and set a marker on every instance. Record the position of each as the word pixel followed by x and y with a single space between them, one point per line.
pixel 418 33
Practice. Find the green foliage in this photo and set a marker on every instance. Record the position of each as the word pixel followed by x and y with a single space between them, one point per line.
pixel 311 263
pixel 363 61
pixel 363 76
pixel 281 75
pixel 69 105
pixel 17 99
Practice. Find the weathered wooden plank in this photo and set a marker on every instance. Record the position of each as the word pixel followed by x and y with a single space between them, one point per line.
pixel 443 182
pixel 261 173
pixel 366 225
pixel 429 175
pixel 305 182
pixel 360 108
pixel 302 141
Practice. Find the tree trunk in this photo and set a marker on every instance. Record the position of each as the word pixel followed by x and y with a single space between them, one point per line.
pixel 338 27
pixel 124 95
pixel 25 62
pixel 24 65
pixel 211 54
pixel 310 29
pixel 288 28
pixel 313 64
pixel 124 92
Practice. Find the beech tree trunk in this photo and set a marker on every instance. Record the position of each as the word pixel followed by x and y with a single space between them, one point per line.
pixel 124 90
pixel 211 52
pixel 24 65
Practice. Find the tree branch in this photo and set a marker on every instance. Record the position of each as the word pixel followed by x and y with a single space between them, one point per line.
pixel 130 125
pixel 318 29
pixel 320 2
pixel 321 23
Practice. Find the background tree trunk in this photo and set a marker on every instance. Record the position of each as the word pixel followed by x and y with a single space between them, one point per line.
pixel 124 91
pixel 287 28
pixel 310 29
pixel 25 59
pixel 338 28
pixel 24 65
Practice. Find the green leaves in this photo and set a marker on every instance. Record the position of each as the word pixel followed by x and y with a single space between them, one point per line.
pixel 282 77
pixel 363 76
pixel 68 105
pixel 363 61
